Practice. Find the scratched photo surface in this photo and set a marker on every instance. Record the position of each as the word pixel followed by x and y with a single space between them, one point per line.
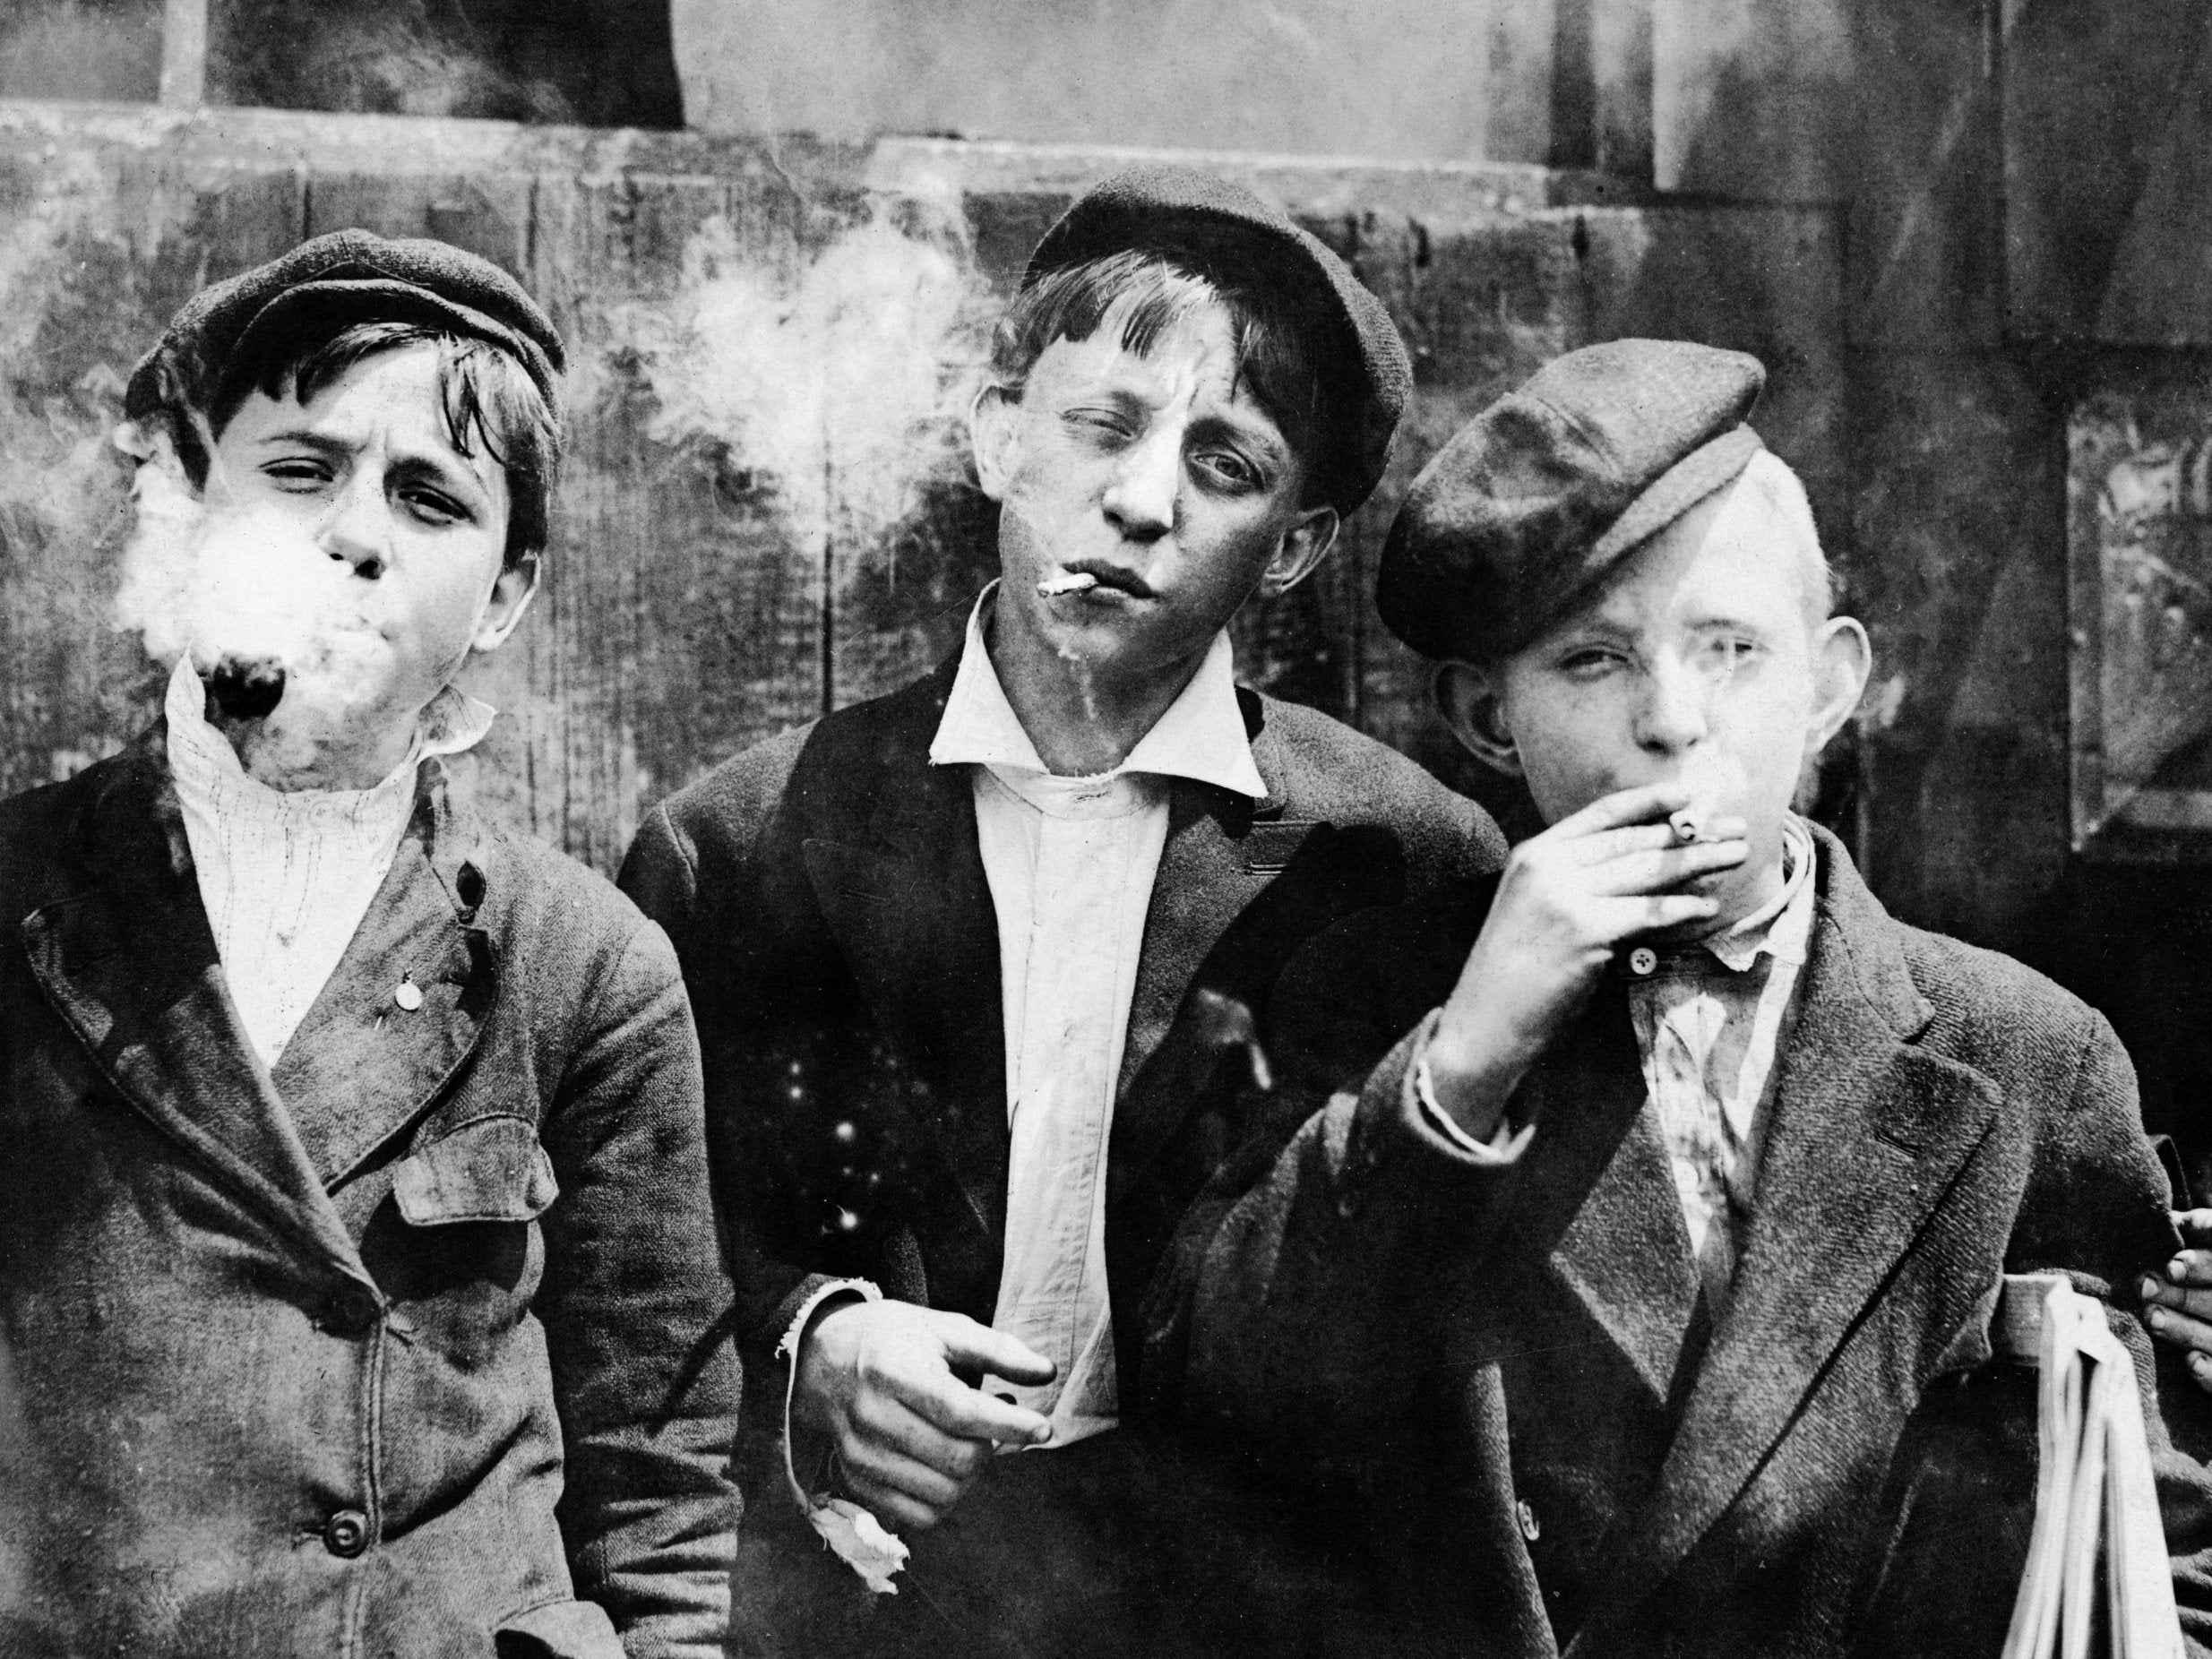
pixel 1968 239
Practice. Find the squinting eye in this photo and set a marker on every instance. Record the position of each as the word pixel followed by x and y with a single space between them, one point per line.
pixel 1588 662
pixel 1230 468
pixel 1098 423
pixel 432 508
pixel 296 474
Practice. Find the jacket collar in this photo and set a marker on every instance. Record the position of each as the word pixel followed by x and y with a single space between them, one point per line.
pixel 1202 736
pixel 129 962
pixel 1867 1133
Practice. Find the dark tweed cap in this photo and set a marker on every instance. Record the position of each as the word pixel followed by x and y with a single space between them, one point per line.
pixel 1521 517
pixel 1223 230
pixel 349 276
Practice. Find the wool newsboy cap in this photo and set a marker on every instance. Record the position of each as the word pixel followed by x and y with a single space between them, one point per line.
pixel 1522 516
pixel 1223 231
pixel 345 276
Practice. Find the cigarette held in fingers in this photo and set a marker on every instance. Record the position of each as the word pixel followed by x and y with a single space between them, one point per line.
pixel 1688 825
pixel 1074 582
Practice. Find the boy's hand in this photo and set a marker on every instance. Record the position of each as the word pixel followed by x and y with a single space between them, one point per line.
pixel 879 1378
pixel 2181 1303
pixel 1567 899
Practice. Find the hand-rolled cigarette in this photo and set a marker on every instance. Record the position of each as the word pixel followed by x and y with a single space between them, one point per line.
pixel 1685 826
pixel 1075 582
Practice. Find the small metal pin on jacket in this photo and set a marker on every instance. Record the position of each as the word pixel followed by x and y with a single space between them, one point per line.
pixel 407 994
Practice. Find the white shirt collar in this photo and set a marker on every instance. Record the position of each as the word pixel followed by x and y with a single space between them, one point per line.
pixel 1782 927
pixel 451 722
pixel 1200 735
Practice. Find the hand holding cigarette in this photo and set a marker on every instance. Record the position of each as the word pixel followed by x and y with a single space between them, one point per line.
pixel 1620 868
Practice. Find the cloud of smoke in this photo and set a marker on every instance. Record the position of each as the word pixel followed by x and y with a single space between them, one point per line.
pixel 844 387
pixel 254 602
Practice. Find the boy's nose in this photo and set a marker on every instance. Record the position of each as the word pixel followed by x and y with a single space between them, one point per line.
pixel 1141 501
pixel 357 527
pixel 1671 714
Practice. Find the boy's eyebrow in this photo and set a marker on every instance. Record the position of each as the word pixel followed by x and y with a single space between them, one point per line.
pixel 1727 619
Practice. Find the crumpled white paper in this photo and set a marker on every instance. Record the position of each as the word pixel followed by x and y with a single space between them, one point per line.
pixel 858 1538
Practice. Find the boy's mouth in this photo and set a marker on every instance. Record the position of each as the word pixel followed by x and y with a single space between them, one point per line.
pixel 1105 574
pixel 245 688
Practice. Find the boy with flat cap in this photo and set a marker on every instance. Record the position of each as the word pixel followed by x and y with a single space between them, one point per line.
pixel 974 963
pixel 358 1266
pixel 1658 1183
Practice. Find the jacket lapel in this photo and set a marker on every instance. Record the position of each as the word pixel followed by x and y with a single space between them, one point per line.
pixel 131 965
pixel 1223 853
pixel 1866 1134
pixel 905 894
pixel 363 1065
pixel 1597 1169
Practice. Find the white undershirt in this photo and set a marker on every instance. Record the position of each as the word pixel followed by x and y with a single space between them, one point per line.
pixel 1070 862
pixel 287 875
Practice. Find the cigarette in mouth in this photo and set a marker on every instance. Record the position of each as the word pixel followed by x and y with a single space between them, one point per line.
pixel 1685 826
pixel 1075 582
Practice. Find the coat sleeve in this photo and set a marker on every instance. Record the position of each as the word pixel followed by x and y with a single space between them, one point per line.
pixel 635 1308
pixel 1283 1316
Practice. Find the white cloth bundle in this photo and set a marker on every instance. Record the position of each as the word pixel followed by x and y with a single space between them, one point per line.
pixel 2093 1483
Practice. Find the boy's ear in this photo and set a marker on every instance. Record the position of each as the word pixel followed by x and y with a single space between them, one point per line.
pixel 511 592
pixel 993 439
pixel 1470 701
pixel 1304 547
pixel 1842 659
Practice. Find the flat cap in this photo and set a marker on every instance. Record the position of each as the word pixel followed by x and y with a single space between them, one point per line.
pixel 1224 231
pixel 348 276
pixel 1526 511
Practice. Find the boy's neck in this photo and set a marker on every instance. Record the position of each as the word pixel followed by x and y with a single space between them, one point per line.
pixel 1082 719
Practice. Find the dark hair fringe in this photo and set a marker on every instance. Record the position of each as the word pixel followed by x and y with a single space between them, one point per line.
pixel 486 396
pixel 1271 334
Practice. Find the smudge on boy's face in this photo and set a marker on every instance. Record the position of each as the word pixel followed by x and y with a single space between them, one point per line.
pixel 1159 477
pixel 1699 662
pixel 343 559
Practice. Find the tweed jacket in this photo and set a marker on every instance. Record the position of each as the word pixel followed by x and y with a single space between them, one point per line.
pixel 1505 1368
pixel 406 1349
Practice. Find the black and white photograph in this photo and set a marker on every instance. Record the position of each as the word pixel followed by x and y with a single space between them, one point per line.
pixel 1105 829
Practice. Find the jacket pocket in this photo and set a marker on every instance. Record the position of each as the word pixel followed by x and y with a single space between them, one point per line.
pixel 558 1630
pixel 490 1169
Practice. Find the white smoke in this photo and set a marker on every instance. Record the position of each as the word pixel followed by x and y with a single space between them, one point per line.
pixel 846 383
pixel 241 589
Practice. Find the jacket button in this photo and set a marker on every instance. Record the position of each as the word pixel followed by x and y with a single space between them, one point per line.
pixel 1643 961
pixel 349 1312
pixel 1526 1518
pixel 346 1534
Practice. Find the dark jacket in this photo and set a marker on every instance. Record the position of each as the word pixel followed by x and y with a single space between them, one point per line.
pixel 827 896
pixel 1504 1371
pixel 407 1346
